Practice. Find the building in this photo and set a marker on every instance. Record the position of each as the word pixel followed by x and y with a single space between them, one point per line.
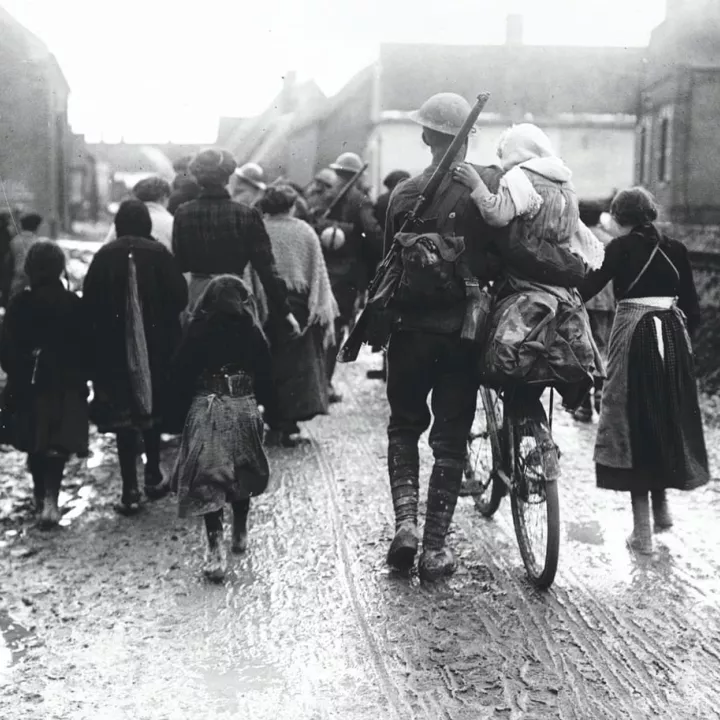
pixel 677 146
pixel 36 143
pixel 585 98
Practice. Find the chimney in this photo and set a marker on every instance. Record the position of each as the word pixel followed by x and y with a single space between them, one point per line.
pixel 514 30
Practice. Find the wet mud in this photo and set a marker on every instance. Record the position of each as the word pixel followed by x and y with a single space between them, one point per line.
pixel 109 617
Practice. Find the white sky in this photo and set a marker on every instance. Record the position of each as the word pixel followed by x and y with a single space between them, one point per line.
pixel 158 70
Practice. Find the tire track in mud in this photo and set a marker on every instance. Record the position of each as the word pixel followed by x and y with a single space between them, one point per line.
pixel 344 560
pixel 611 657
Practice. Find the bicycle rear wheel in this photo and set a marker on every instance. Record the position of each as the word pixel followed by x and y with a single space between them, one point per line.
pixel 535 506
pixel 484 454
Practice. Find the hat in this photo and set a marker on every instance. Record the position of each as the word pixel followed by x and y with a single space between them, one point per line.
pixel 348 162
pixel 394 178
pixel 212 164
pixel 326 176
pixel 445 113
pixel 252 174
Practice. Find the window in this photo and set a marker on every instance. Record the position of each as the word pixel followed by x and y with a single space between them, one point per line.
pixel 664 165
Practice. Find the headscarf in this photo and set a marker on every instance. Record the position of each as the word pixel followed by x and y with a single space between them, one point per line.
pixel 227 295
pixel 44 263
pixel 212 166
pixel 133 220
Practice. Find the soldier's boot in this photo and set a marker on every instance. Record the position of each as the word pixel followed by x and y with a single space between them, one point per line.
pixel 437 560
pixel 661 512
pixel 54 467
pixel 640 539
pixel 404 468
pixel 36 465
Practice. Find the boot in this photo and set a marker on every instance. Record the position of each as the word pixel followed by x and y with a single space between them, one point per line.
pixel 641 538
pixel 215 565
pixel 37 469
pixel 53 474
pixel 404 468
pixel 127 456
pixel 239 533
pixel 661 513
pixel 437 560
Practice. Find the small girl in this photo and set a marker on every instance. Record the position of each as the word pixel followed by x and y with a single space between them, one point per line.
pixel 43 351
pixel 222 361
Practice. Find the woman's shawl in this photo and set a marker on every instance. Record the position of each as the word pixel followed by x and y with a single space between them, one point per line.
pixel 300 263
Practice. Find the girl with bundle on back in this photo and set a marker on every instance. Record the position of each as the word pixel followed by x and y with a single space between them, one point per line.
pixel 222 363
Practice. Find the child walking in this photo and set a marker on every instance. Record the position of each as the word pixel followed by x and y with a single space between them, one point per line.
pixel 43 352
pixel 222 362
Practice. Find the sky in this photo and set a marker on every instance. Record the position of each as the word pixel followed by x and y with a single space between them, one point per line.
pixel 166 70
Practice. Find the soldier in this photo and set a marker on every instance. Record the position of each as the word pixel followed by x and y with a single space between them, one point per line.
pixel 249 185
pixel 391 181
pixel 352 263
pixel 425 356
pixel 321 191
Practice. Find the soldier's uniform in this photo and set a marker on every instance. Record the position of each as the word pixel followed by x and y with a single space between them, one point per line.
pixel 351 266
pixel 426 357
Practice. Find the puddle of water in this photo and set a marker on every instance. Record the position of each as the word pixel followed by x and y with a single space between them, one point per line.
pixel 588 532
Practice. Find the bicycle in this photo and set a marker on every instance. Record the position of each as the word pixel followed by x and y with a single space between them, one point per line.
pixel 506 455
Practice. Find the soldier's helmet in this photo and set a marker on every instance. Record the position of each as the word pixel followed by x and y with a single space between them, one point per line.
pixel 445 113
pixel 348 162
pixel 252 174
pixel 327 177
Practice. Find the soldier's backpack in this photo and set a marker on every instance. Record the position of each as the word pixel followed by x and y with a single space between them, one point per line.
pixel 433 268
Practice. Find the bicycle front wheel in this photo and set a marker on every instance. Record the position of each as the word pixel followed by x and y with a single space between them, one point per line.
pixel 485 454
pixel 535 507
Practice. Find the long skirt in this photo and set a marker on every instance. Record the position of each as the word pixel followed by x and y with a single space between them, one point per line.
pixel 221 458
pixel 299 374
pixel 663 416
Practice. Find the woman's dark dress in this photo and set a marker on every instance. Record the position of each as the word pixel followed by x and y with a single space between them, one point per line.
pixel 50 414
pixel 666 435
pixel 163 294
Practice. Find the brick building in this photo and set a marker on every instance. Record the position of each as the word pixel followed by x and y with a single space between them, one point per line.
pixel 678 147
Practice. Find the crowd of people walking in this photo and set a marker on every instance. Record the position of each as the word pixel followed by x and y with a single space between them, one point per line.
pixel 216 308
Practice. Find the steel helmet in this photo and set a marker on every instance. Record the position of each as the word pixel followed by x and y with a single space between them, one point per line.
pixel 326 176
pixel 253 174
pixel 445 113
pixel 347 162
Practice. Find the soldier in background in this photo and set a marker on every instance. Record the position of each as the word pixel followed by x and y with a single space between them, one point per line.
pixel 352 262
pixel 249 184
pixel 390 182
pixel 321 192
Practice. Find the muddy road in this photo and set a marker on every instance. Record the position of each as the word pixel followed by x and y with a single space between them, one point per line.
pixel 108 617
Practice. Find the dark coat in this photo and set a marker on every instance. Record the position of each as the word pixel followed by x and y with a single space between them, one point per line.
pixel 163 294
pixel 50 413
pixel 353 265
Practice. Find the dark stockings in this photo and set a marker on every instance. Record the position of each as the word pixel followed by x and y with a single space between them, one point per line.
pixel 214 528
pixel 127 445
pixel 240 516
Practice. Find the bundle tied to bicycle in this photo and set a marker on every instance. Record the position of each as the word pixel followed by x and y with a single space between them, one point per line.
pixel 538 334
